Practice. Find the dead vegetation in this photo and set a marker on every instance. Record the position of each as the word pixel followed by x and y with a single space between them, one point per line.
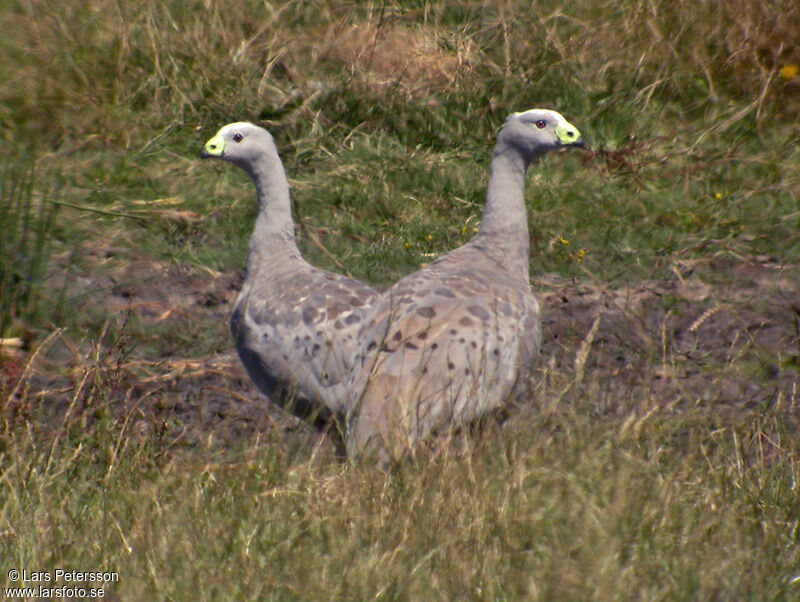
pixel 689 341
pixel 409 60
pixel 169 63
pixel 658 455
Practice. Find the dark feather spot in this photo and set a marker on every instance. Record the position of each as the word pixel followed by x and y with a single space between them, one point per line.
pixel 450 365
pixel 466 371
pixel 478 312
pixel 398 335
pixel 435 346
pixel 411 346
pixel 371 346
pixel 474 345
pixel 423 335
pixel 338 325
pixel 426 312
pixel 336 309
pixel 352 319
pixel 465 321
pixel 309 315
pixel 445 292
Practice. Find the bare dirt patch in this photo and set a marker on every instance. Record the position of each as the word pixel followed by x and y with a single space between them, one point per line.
pixel 687 340
pixel 722 334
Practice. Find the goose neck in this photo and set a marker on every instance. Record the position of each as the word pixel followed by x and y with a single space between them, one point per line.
pixel 273 235
pixel 504 226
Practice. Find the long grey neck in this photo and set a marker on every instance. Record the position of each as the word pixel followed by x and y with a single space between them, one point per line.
pixel 272 241
pixel 503 233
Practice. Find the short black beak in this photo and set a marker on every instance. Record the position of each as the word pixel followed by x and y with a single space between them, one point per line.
pixel 580 143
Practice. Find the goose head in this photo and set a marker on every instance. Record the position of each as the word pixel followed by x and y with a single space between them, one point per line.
pixel 243 144
pixel 536 132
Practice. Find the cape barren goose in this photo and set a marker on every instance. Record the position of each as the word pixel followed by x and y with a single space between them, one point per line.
pixel 295 325
pixel 460 337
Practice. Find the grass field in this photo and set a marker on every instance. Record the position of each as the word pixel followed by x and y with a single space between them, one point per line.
pixel 658 457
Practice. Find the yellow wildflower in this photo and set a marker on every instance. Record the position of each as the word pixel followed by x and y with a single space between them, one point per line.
pixel 717 195
pixel 407 246
pixel 789 71
pixel 563 240
pixel 580 255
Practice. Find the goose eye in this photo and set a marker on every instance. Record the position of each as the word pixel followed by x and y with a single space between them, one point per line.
pixel 237 137
pixel 541 123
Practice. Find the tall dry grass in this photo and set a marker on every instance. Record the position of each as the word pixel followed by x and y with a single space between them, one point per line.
pixel 100 74
pixel 643 466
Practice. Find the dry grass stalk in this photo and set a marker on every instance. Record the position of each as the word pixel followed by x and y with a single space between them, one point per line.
pixel 583 351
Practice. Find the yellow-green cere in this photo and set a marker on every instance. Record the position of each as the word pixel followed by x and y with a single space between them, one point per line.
pixel 567 133
pixel 215 146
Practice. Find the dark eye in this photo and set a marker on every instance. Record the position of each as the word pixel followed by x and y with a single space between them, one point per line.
pixel 541 123
pixel 237 137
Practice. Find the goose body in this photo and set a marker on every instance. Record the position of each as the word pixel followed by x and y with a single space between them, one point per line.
pixel 294 325
pixel 460 337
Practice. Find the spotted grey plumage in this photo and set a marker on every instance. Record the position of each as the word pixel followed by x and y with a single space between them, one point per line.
pixel 295 325
pixel 459 338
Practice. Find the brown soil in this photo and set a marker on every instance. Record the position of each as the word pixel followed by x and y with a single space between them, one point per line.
pixel 721 334
pixel 685 340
